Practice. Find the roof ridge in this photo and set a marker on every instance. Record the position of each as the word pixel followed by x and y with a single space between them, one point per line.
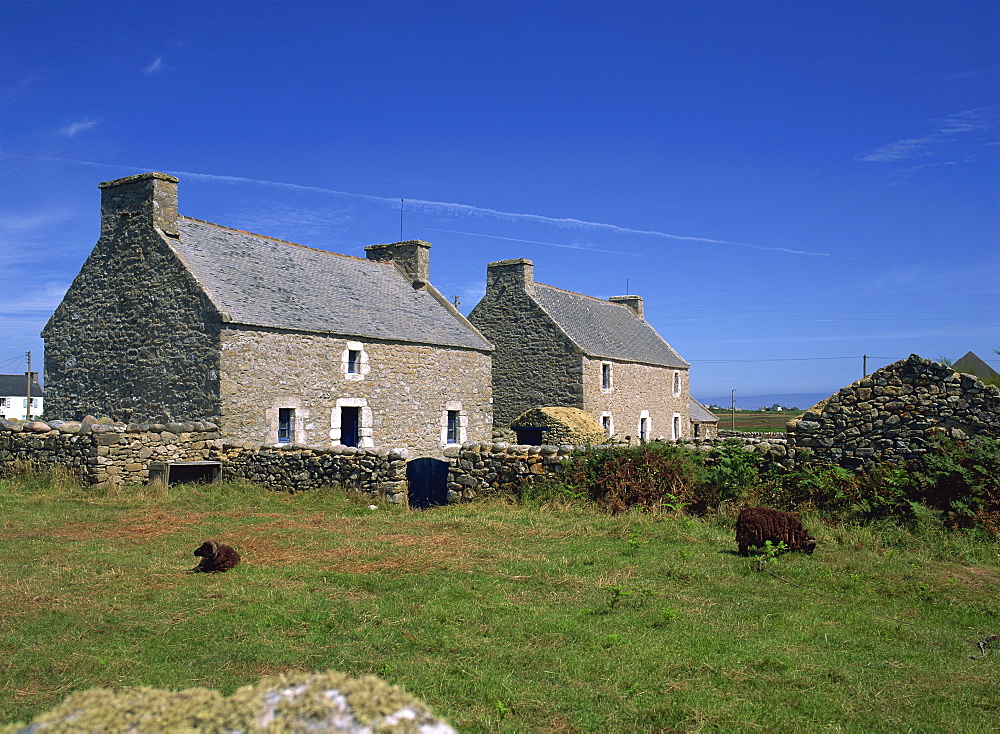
pixel 277 239
pixel 582 295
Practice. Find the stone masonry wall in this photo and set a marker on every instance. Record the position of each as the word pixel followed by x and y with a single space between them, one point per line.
pixel 108 452
pixel 894 413
pixel 134 338
pixel 635 388
pixel 406 387
pixel 534 364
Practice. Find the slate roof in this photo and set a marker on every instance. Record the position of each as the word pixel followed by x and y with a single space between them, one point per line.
pixel 260 281
pixel 700 414
pixel 605 329
pixel 14 386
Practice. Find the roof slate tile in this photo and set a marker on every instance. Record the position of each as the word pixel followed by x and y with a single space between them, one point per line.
pixel 260 281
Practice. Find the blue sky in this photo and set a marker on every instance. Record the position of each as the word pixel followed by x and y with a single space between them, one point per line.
pixel 788 185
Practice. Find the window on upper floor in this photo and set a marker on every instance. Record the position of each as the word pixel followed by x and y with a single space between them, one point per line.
pixel 606 376
pixel 452 428
pixel 354 361
pixel 677 384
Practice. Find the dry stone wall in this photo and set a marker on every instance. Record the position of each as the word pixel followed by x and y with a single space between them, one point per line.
pixel 108 452
pixel 895 413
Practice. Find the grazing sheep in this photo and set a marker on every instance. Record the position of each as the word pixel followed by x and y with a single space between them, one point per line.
pixel 757 525
pixel 216 557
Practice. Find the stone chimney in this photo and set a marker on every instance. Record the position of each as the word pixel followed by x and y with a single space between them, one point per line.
pixel 516 274
pixel 633 302
pixel 148 199
pixel 412 256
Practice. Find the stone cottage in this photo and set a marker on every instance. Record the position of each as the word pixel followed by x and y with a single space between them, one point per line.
pixel 555 348
pixel 174 318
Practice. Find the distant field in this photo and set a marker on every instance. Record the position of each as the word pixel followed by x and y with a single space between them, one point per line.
pixel 755 420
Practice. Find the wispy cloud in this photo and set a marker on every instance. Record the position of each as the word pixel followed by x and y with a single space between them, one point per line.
pixel 155 67
pixel 468 210
pixel 38 298
pixel 955 132
pixel 969 73
pixel 587 247
pixel 75 128
pixel 10 91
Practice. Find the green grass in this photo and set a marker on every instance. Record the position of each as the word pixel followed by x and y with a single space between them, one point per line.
pixel 500 617
pixel 755 420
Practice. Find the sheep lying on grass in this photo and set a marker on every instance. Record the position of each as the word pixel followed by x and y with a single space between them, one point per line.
pixel 215 557
pixel 757 525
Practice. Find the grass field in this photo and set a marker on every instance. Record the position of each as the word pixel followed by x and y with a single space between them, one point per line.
pixel 755 420
pixel 500 617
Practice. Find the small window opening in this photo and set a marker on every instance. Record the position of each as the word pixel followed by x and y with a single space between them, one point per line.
pixel 452 433
pixel 677 383
pixel 350 426
pixel 606 424
pixel 677 427
pixel 605 376
pixel 353 361
pixel 644 429
pixel 286 425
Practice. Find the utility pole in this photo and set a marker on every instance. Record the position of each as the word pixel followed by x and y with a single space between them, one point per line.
pixel 457 302
pixel 733 398
pixel 27 415
pixel 400 220
pixel 864 366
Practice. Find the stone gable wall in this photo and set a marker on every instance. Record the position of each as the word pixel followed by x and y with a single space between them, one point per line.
pixel 894 414
pixel 534 363
pixel 134 337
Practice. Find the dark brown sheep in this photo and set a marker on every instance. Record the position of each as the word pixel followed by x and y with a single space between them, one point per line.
pixel 757 525
pixel 216 557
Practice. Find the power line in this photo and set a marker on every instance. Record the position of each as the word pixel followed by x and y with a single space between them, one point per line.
pixel 786 359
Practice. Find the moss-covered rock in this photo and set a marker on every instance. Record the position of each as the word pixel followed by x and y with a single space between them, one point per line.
pixel 294 702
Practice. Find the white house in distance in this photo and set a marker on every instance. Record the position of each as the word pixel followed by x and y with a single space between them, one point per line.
pixel 14 398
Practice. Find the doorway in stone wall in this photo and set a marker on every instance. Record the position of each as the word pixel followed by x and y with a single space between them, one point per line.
pixel 427 479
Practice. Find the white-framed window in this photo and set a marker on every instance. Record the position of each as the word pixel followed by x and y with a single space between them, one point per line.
pixel 3 402
pixel 676 427
pixel 354 361
pixel 351 423
pixel 645 426
pixel 286 421
pixel 607 377
pixel 608 424
pixel 286 425
pixel 677 383
pixel 454 423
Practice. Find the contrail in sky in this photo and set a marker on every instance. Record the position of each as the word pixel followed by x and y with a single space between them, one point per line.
pixel 470 210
